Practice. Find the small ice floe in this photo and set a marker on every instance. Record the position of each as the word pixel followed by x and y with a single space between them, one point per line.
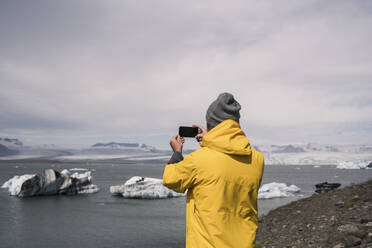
pixel 277 190
pixel 144 188
pixel 358 164
pixel 316 166
pixel 51 182
pixel 78 169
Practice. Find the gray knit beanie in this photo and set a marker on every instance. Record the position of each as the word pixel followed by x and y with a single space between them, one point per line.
pixel 225 107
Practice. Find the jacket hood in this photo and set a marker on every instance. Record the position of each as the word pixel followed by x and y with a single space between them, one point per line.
pixel 227 137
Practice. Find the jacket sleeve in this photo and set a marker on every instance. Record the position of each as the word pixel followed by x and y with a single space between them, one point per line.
pixel 180 176
pixel 176 157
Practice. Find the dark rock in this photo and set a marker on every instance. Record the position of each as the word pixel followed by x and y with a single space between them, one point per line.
pixel 348 229
pixel 365 220
pixel 369 165
pixel 361 234
pixel 332 221
pixel 326 187
pixel 355 198
pixel 368 239
pixel 352 241
pixel 339 246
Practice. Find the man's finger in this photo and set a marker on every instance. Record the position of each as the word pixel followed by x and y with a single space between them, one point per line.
pixel 179 138
pixel 201 128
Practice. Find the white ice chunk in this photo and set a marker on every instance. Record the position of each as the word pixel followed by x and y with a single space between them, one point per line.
pixel 276 190
pixel 88 189
pixel 358 164
pixel 137 179
pixel 66 172
pixel 144 188
pixel 85 175
pixel 50 183
pixel 14 184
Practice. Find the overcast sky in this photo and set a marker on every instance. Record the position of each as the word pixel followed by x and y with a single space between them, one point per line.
pixel 89 71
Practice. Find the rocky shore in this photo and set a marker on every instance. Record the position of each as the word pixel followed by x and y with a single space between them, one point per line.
pixel 337 219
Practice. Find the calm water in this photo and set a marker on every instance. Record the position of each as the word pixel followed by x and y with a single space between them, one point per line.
pixel 101 220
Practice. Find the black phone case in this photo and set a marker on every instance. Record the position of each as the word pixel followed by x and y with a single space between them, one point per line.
pixel 189 132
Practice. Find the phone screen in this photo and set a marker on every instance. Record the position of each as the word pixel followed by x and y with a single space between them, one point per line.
pixel 190 132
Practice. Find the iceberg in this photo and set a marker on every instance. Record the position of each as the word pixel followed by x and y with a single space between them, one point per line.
pixel 276 190
pixel 51 182
pixel 358 164
pixel 144 188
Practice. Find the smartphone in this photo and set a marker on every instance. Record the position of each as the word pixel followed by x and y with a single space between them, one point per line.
pixel 190 132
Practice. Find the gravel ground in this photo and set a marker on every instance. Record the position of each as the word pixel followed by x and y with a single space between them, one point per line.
pixel 340 218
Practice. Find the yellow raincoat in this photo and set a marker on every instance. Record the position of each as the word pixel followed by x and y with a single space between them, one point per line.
pixel 222 179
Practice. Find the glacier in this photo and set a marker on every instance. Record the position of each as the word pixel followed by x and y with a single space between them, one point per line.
pixel 51 182
pixel 144 188
pixel 358 164
pixel 277 190
pixel 275 154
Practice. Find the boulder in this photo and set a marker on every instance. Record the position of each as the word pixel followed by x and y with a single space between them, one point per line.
pixel 326 187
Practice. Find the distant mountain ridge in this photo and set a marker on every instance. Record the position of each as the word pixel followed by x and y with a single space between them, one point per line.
pixel 10 142
pixel 120 145
pixel 9 147
pixel 287 149
pixel 5 151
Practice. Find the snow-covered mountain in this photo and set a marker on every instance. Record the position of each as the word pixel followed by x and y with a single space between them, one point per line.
pixel 314 154
pixel 5 151
pixel 9 147
pixel 14 149
pixel 11 143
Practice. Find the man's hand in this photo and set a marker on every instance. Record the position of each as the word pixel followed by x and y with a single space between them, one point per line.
pixel 201 133
pixel 177 143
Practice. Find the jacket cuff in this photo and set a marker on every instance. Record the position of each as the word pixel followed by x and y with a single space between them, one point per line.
pixel 176 157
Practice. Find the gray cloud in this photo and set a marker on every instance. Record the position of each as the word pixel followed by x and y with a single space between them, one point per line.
pixel 301 69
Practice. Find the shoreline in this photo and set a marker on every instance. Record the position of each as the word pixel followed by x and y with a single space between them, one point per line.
pixel 339 218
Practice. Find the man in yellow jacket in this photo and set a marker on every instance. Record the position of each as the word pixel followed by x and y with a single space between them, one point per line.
pixel 222 179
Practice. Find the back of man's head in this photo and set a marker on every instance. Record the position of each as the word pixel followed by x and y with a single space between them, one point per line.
pixel 225 107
